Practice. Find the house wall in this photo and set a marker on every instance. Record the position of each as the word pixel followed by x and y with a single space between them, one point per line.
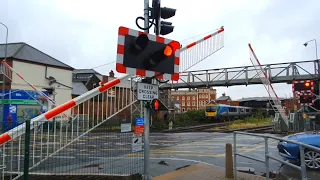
pixel 35 74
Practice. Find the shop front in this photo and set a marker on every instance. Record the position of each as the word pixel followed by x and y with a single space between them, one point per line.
pixel 21 105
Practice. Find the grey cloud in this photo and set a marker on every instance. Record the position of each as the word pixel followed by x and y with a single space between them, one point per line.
pixel 276 30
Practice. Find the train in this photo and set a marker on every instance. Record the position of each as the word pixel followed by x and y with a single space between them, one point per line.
pixel 227 112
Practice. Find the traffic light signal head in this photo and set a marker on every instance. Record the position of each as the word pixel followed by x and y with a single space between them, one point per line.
pixel 303 86
pixel 167 13
pixel 307 84
pixel 141 52
pixel 158 12
pixel 157 105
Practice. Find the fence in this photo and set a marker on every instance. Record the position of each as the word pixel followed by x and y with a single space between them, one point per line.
pixel 302 148
pixel 58 146
pixel 297 123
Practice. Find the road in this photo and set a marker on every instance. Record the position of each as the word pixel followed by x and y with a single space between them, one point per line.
pixel 111 153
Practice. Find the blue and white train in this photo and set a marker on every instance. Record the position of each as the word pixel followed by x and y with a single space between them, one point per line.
pixel 224 112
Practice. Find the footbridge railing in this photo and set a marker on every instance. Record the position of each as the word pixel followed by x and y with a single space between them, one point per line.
pixel 246 75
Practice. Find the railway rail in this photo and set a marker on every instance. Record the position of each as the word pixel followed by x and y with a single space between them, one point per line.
pixel 197 128
pixel 223 128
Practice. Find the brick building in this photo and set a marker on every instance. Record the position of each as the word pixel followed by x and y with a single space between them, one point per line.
pixel 193 100
pixel 227 100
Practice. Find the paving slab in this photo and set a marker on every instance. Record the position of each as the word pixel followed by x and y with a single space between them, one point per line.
pixel 204 172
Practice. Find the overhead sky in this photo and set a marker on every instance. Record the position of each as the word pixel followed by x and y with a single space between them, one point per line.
pixel 83 33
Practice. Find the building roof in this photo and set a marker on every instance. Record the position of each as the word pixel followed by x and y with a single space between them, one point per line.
pixel 85 71
pixel 223 98
pixel 78 88
pixel 257 99
pixel 26 52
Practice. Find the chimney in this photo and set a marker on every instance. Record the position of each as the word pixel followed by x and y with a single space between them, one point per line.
pixel 111 73
pixel 104 79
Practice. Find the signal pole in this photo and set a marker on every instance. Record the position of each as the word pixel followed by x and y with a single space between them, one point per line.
pixel 146 109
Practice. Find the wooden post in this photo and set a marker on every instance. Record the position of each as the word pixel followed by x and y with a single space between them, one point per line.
pixel 229 161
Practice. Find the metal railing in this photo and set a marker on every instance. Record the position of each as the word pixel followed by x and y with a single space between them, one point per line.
pixel 268 156
pixel 52 133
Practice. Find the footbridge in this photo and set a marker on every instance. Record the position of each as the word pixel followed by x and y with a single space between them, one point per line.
pixel 247 75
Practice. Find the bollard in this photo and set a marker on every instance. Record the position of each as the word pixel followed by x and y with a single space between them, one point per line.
pixel 229 161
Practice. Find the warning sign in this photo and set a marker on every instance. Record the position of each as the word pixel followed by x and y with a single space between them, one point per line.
pixel 147 92
pixel 138 129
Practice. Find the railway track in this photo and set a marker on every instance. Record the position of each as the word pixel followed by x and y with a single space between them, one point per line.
pixel 253 129
pixel 199 128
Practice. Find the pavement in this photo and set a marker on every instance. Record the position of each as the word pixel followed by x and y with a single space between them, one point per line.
pixel 110 153
pixel 204 172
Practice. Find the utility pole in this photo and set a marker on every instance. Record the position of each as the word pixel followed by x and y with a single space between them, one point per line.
pixel 160 54
pixel 146 108
pixel 3 76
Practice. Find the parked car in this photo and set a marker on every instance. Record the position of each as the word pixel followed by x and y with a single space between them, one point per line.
pixel 291 151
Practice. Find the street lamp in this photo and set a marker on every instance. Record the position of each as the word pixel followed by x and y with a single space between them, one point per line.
pixel 3 76
pixel 315 41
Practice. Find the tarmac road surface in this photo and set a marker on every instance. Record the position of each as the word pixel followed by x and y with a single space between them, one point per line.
pixel 111 153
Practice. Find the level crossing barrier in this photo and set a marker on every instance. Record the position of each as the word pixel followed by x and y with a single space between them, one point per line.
pixel 274 99
pixel 52 132
pixel 268 156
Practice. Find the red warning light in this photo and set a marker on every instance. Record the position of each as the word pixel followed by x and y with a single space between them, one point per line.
pixel 171 48
pixel 307 84
pixel 156 105
pixel 168 51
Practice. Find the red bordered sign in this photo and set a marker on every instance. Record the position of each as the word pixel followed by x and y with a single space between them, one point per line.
pixel 123 31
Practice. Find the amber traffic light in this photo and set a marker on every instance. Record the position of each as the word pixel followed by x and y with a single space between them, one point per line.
pixel 307 84
pixel 303 86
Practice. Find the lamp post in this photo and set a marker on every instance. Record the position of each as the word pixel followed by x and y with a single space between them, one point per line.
pixel 315 42
pixel 3 76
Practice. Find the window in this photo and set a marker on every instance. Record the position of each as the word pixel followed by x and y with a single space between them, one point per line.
pixel 232 109
pixel 193 103
pixel 193 98
pixel 211 108
pixel 188 98
pixel 188 103
pixel 182 97
pixel 183 103
pixel 182 109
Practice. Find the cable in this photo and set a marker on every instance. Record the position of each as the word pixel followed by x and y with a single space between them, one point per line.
pixel 142 18
pixel 96 67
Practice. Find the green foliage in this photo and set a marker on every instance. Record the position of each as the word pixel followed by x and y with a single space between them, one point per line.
pixel 159 124
pixel 190 118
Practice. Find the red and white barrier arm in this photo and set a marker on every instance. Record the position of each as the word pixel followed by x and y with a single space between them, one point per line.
pixel 201 40
pixel 19 130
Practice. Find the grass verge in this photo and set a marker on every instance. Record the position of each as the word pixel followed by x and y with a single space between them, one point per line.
pixel 249 123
